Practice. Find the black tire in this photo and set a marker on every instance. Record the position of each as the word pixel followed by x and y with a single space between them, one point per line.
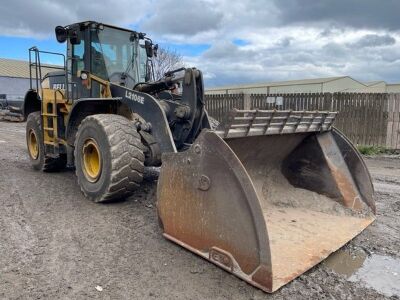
pixel 40 161
pixel 121 157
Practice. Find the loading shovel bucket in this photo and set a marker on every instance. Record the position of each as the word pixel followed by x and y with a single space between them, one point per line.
pixel 266 201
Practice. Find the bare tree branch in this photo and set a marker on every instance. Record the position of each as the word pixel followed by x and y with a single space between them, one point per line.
pixel 166 60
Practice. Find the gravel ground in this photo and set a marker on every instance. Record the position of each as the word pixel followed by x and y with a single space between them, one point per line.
pixel 55 244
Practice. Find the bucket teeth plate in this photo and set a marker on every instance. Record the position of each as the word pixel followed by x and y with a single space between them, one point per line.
pixel 242 123
pixel 265 208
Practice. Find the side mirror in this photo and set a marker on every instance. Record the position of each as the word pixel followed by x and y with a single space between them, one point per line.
pixel 155 50
pixel 149 48
pixel 61 34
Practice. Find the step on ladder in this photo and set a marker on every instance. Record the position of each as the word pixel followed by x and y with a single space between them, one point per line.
pixel 50 123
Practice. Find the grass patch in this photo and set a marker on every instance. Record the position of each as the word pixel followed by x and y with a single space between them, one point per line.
pixel 374 150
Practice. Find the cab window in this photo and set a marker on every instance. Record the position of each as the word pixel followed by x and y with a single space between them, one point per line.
pixel 77 55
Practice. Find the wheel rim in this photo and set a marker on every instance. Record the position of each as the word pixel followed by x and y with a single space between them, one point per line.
pixel 33 145
pixel 91 160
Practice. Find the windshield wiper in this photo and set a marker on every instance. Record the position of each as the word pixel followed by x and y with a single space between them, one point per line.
pixel 134 39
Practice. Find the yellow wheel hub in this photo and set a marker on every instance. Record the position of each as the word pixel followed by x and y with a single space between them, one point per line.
pixel 91 160
pixel 33 145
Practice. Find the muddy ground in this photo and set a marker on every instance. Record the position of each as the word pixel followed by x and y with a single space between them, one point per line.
pixel 55 244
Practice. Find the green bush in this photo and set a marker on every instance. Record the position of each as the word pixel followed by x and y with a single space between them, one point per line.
pixel 374 150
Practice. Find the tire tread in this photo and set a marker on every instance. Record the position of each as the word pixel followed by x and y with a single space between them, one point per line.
pixel 127 157
pixel 50 164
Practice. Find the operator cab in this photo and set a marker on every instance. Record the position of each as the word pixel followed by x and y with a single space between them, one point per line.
pixel 114 54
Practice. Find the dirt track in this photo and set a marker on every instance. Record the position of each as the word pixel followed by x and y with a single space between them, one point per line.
pixel 56 244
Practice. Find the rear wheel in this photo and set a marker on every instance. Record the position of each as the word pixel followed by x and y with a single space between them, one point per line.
pixel 35 145
pixel 109 157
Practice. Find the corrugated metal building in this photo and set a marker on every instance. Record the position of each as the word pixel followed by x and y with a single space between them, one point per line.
pixel 14 82
pixel 317 85
pixel 14 78
pixel 393 88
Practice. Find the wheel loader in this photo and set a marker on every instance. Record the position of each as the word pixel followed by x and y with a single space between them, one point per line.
pixel 265 196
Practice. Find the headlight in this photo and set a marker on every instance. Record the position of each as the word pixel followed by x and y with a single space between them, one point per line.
pixel 84 76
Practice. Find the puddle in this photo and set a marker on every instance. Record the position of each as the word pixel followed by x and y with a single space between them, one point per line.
pixel 379 272
pixel 346 262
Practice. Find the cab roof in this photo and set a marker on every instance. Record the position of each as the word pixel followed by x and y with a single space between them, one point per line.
pixel 87 23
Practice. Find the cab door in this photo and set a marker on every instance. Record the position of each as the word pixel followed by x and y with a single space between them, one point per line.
pixel 77 62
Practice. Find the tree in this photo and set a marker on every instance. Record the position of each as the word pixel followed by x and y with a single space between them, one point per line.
pixel 166 60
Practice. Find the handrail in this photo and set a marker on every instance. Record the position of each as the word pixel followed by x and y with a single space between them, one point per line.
pixel 38 67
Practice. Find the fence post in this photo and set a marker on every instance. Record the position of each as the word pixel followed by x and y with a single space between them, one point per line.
pixel 397 118
pixel 393 124
pixel 329 101
pixel 246 101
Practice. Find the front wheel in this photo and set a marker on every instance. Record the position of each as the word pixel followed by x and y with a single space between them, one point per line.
pixel 109 157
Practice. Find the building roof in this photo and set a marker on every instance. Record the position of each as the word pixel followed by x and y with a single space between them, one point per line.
pixel 280 83
pixel 372 83
pixel 20 68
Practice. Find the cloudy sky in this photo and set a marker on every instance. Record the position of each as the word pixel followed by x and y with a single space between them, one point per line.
pixel 233 41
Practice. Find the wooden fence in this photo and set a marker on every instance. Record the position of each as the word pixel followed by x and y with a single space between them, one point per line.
pixel 218 106
pixel 369 119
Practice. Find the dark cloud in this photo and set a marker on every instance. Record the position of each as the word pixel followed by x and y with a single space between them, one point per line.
pixel 231 64
pixel 38 18
pixel 334 50
pixel 331 31
pixel 391 55
pixel 227 52
pixel 374 40
pixel 285 39
pixel 183 17
pixel 222 50
pixel 285 42
pixel 21 17
pixel 353 13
